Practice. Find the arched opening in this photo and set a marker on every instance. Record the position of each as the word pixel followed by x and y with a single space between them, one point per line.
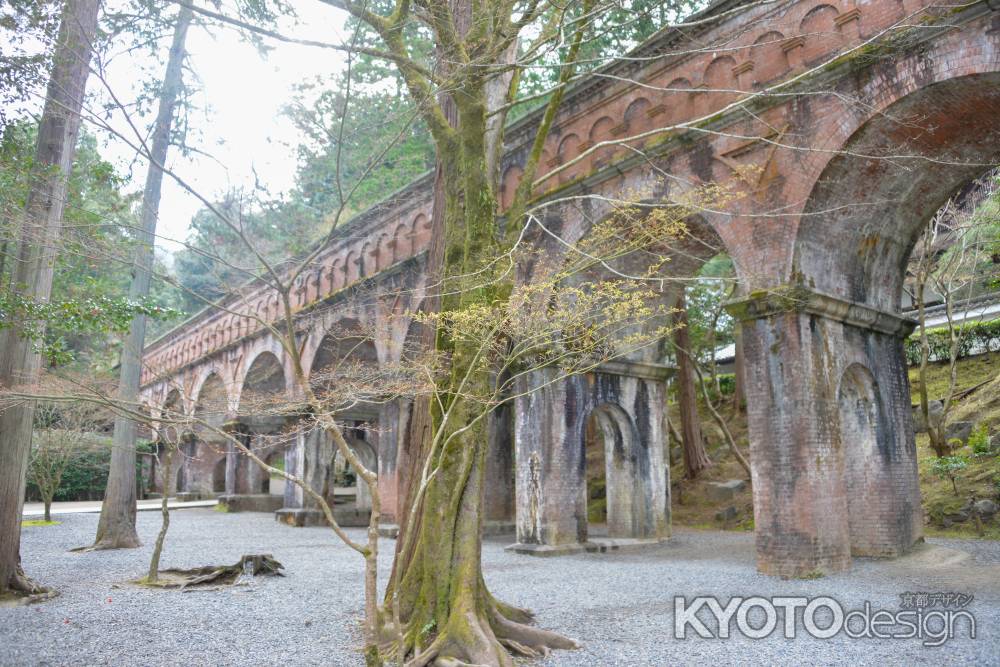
pixel 168 433
pixel 616 501
pixel 951 132
pixel 262 424
pixel 207 445
pixel 219 476
pixel 346 486
pixel 344 369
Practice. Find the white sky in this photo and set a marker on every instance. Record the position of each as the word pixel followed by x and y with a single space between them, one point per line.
pixel 240 122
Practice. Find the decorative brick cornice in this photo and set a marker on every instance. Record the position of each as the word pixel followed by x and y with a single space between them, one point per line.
pixel 636 369
pixel 797 298
pixel 656 111
pixel 848 16
pixel 792 43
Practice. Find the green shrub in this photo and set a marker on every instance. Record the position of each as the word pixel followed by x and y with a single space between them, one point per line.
pixel 976 337
pixel 979 441
pixel 948 467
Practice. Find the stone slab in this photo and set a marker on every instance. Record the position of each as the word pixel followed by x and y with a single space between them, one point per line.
pixel 251 502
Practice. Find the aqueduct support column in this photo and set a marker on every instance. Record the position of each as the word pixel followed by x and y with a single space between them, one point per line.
pixel 551 415
pixel 832 449
pixel 394 417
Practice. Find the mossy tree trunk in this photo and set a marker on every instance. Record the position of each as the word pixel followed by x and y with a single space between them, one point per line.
pixel 437 591
pixel 438 609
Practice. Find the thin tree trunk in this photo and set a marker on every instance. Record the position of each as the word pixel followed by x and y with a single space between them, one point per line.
pixel 48 509
pixel 730 440
pixel 695 457
pixel 154 561
pixel 32 271
pixel 116 528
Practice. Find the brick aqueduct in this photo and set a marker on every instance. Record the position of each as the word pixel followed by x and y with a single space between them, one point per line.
pixel 812 94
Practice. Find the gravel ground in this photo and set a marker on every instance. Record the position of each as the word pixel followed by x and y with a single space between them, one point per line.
pixel 620 607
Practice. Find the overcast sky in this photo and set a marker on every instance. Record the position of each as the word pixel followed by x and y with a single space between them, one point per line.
pixel 242 126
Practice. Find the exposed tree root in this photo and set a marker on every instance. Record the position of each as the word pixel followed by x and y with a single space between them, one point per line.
pixel 488 637
pixel 109 544
pixel 22 589
pixel 250 565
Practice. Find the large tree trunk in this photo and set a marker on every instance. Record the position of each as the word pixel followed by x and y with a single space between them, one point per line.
pixel 32 272
pixel 116 528
pixel 437 594
pixel 695 457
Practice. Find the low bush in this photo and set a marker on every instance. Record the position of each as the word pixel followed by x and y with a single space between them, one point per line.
pixel 976 338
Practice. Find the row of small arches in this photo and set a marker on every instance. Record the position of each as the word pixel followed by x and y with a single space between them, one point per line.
pixel 363 260
pixel 822 29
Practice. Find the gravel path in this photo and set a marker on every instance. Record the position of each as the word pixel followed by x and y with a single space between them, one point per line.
pixel 619 606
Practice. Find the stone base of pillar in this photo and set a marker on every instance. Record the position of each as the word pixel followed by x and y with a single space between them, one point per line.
pixel 596 545
pixel 493 528
pixel 388 530
pixel 186 496
pixel 246 502
pixel 346 516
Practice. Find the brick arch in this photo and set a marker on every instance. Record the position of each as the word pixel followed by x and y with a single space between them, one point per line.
pixel 569 148
pixel 600 131
pixel 511 179
pixel 334 276
pixel 768 57
pixel 719 79
pixel 173 401
pixel 819 31
pixel 369 259
pixel 265 345
pixel 679 101
pixel 859 252
pixel 421 232
pixel 336 351
pixel 203 375
pixel 402 243
pixel 384 251
pixel 636 117
pixel 352 267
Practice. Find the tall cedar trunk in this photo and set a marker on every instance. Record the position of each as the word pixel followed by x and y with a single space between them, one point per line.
pixel 695 457
pixel 32 271
pixel 116 528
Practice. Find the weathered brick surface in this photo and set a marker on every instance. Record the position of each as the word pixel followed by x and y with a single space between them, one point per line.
pixel 874 115
pixel 551 476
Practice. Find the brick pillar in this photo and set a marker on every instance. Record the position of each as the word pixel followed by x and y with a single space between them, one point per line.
pixel 499 499
pixel 394 421
pixel 295 465
pixel 823 483
pixel 550 484
pixel 317 457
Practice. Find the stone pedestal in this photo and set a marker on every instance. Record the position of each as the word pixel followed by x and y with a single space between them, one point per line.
pixel 247 502
pixel 346 516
